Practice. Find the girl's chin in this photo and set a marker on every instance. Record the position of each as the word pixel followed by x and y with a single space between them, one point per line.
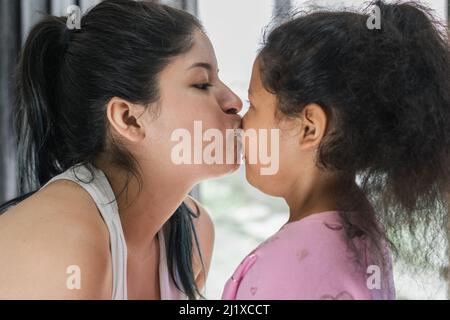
pixel 225 169
pixel 261 182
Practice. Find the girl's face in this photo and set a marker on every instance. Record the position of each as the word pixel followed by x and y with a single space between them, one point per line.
pixel 295 155
pixel 192 100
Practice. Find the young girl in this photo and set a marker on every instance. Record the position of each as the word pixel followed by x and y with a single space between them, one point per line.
pixel 364 122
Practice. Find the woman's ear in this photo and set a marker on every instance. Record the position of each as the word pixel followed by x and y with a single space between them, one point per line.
pixel 125 118
pixel 314 125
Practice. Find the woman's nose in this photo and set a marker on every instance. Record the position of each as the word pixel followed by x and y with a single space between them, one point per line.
pixel 231 104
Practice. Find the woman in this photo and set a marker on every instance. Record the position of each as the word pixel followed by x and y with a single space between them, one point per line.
pixel 95 112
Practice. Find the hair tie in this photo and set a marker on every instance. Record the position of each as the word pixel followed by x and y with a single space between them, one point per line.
pixel 66 38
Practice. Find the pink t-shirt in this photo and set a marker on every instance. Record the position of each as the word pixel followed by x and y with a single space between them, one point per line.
pixel 309 260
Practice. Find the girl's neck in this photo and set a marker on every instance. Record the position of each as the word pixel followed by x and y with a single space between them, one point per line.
pixel 298 214
pixel 306 198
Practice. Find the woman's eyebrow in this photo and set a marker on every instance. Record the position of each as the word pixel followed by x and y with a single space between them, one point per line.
pixel 204 65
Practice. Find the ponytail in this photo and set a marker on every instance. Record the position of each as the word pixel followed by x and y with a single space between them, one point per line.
pixel 35 113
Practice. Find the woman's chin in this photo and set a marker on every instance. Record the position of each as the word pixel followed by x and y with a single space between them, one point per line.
pixel 250 175
pixel 223 170
pixel 231 168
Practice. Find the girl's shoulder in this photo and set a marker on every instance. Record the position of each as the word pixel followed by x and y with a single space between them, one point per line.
pixel 307 259
pixel 322 231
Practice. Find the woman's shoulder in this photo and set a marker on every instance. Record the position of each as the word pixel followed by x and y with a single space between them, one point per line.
pixel 47 237
pixel 61 202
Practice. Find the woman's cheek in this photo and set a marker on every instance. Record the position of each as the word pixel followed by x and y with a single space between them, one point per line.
pixel 246 121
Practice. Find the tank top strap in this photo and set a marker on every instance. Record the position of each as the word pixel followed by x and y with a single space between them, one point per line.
pixel 96 184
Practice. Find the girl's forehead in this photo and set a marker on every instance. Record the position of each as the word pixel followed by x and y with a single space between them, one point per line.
pixel 255 81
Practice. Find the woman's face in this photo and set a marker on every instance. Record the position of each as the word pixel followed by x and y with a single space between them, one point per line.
pixel 192 100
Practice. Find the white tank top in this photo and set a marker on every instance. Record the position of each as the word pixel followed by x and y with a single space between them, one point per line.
pixel 101 192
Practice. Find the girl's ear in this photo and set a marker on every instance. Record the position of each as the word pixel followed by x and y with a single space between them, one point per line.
pixel 314 125
pixel 125 118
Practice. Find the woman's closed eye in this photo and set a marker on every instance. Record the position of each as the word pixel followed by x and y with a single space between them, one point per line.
pixel 203 86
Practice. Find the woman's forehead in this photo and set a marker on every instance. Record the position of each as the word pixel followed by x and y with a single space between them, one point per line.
pixel 201 52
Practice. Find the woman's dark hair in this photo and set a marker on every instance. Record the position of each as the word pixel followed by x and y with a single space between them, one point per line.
pixel 65 79
pixel 387 95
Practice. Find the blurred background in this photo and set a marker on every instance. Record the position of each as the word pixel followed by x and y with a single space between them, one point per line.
pixel 243 216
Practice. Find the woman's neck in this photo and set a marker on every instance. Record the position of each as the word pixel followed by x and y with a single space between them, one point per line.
pixel 144 209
